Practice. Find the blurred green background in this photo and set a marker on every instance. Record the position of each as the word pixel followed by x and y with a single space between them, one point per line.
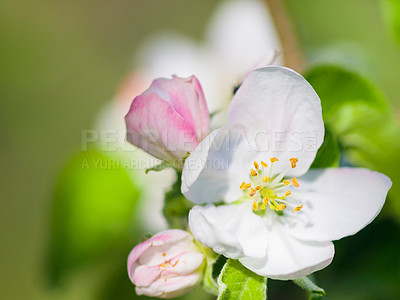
pixel 62 60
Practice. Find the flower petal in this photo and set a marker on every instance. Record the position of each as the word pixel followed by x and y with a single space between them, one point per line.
pixel 214 170
pixel 231 230
pixel 144 275
pixel 171 287
pixel 167 237
pixel 241 32
pixel 185 263
pixel 288 258
pixel 186 97
pixel 165 135
pixel 159 254
pixel 169 53
pixel 283 110
pixel 337 203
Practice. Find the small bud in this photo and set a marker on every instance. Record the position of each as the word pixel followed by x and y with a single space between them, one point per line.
pixel 167 265
pixel 169 119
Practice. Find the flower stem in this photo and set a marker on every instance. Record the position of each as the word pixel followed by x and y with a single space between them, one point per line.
pixel 292 55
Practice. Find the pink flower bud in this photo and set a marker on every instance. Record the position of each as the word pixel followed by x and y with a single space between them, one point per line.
pixel 167 265
pixel 169 119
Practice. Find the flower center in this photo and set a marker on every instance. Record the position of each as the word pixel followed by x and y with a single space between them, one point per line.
pixel 271 190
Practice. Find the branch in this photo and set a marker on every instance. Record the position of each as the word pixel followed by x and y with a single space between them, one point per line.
pixel 292 54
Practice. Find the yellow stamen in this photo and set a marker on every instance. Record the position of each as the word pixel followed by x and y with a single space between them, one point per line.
pixel 247 186
pixel 287 193
pixel 242 185
pixel 256 165
pixel 265 200
pixel 252 193
pixel 263 207
pixel 175 263
pixel 272 207
pixel 266 178
pixel 253 173
pixel 258 187
pixel 255 205
pixel 286 182
pixel 281 207
pixel 274 159
pixel 293 162
pixel 264 164
pixel 295 182
pixel 297 208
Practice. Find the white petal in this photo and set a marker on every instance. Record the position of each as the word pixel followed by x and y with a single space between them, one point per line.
pixel 337 203
pixel 284 111
pixel 288 258
pixel 241 33
pixel 186 263
pixel 232 230
pixel 215 169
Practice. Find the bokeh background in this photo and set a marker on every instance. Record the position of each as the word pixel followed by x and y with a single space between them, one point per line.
pixel 62 62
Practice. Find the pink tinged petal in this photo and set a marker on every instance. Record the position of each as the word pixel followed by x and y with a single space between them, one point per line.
pixel 215 169
pixel 186 97
pixel 165 237
pixel 145 275
pixel 283 110
pixel 231 230
pixel 167 265
pixel 184 263
pixel 154 126
pixel 204 114
pixel 181 264
pixel 337 203
pixel 199 111
pixel 159 254
pixel 288 258
pixel 170 287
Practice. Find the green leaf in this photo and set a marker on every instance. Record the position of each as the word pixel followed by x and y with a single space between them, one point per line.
pixel 306 284
pixel 209 282
pixel 161 166
pixel 373 142
pixel 328 154
pixel 391 9
pixel 93 212
pixel 214 265
pixel 359 117
pixel 337 86
pixel 237 282
pixel 176 206
pixel 218 266
pixel 177 165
